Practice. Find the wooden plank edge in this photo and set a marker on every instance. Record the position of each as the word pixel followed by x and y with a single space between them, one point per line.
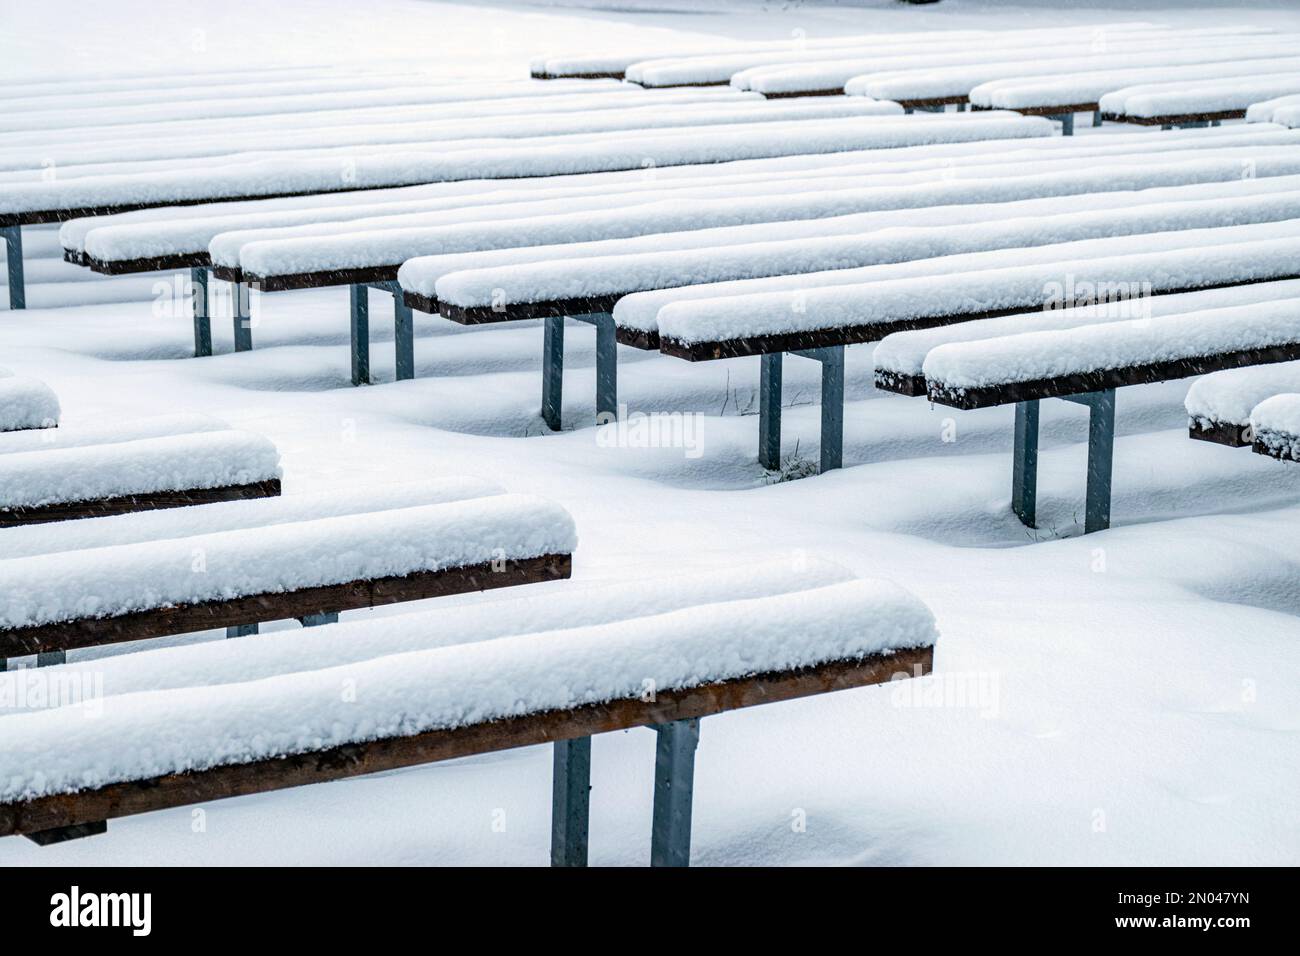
pixel 90 807
pixel 127 504
pixel 1174 119
pixel 281 605
pixel 1231 434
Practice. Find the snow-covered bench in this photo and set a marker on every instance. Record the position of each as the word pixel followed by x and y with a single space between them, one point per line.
pixel 1062 96
pixel 817 320
pixel 1275 427
pixel 34 198
pixel 1191 103
pixel 587 279
pixel 173 461
pixel 26 403
pixel 191 724
pixel 1219 406
pixel 233 573
pixel 1085 357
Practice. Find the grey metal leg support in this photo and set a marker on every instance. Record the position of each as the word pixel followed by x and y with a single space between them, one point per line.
pixel 240 630
pixel 200 307
pixel 360 325
pixel 832 456
pixel 769 410
pixel 403 337
pixel 51 658
pixel 316 620
pixel 1067 123
pixel 670 843
pixel 606 364
pixel 1024 463
pixel 1096 117
pixel 553 371
pixel 13 236
pixel 1101 453
pixel 242 315
pixel 570 802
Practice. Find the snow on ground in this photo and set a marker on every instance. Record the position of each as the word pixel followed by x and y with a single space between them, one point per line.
pixel 1126 697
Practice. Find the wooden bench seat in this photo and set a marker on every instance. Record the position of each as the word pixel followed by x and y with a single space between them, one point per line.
pixel 554 681
pixel 66 479
pixel 1275 427
pixel 1088 362
pixel 342 562
pixel 26 403
pixel 1219 406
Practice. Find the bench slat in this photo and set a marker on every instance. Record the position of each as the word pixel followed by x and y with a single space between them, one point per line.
pixel 126 504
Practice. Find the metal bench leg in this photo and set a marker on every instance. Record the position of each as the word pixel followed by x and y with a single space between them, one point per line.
pixel 200 306
pixel 670 843
pixel 570 802
pixel 360 325
pixel 240 630
pixel 1101 452
pixel 51 658
pixel 1096 117
pixel 242 314
pixel 961 107
pixel 769 410
pixel 552 371
pixel 606 366
pixel 316 620
pixel 403 337
pixel 832 456
pixel 1024 463
pixel 13 236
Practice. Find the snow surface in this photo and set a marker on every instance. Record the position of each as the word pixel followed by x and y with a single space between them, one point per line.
pixel 119 579
pixel 105 433
pixel 595 153
pixel 1279 109
pixel 1230 395
pixel 1191 258
pixel 333 248
pixel 903 354
pixel 1045 354
pixel 211 459
pixel 1141 682
pixel 569 277
pixel 26 403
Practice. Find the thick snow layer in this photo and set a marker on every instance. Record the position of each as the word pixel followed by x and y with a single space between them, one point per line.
pixel 269 129
pixel 26 403
pixel 232 108
pixel 422 274
pixel 455 134
pixel 678 71
pixel 611 152
pixel 1205 96
pixel 105 433
pixel 1229 396
pixel 152 733
pixel 190 231
pixel 116 580
pixel 391 246
pixel 1030 356
pixel 1113 268
pixel 834 74
pixel 166 80
pixel 1276 425
pixel 89 533
pixel 569 277
pixel 902 354
pixel 903 160
pixel 960 80
pixel 1091 86
pixel 1266 111
pixel 286 652
pixel 640 310
pixel 213 459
